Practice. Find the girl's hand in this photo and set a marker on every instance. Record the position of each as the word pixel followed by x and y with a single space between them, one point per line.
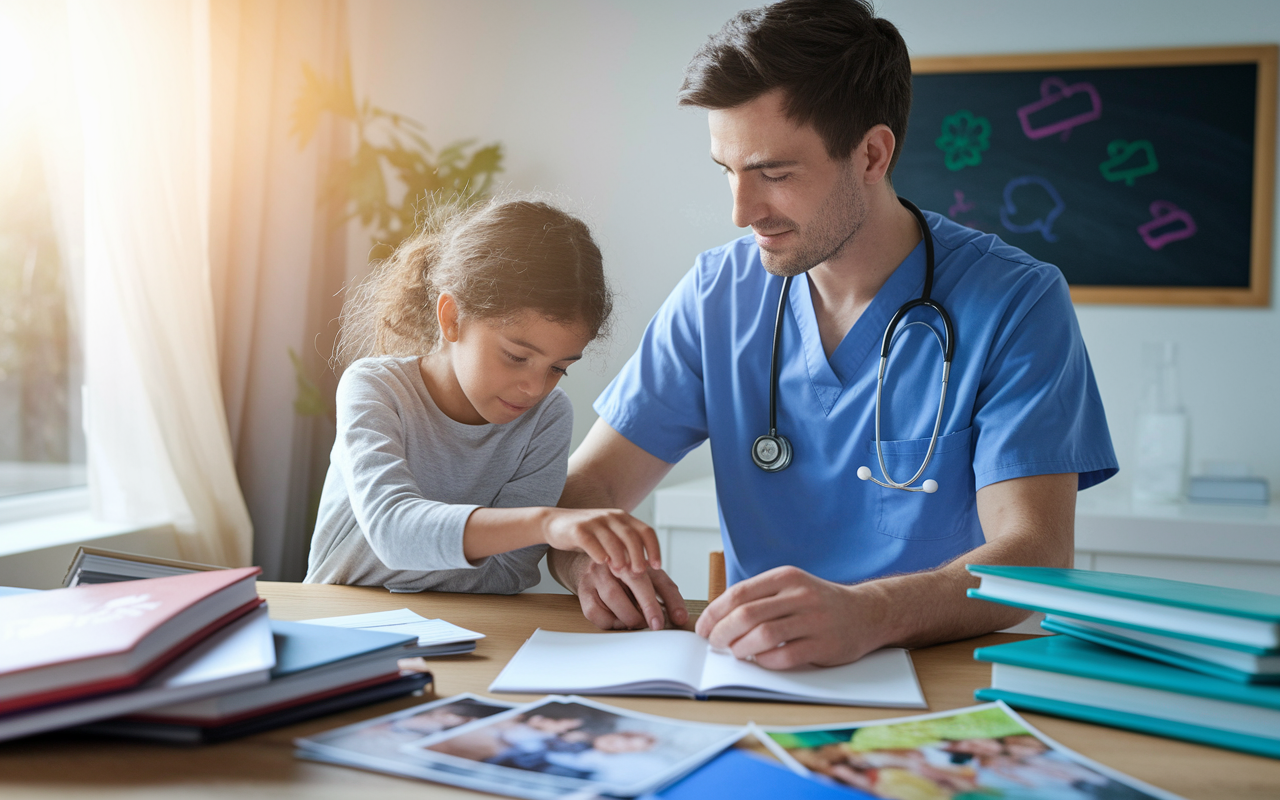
pixel 607 535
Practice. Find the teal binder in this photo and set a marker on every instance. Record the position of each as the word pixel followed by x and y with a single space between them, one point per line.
pixel 1199 734
pixel 1257 606
pixel 1066 655
pixel 1178 594
pixel 1146 650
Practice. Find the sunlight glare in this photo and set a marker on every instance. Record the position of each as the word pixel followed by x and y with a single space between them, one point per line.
pixel 17 68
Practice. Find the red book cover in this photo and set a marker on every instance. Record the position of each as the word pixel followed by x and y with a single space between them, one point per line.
pixel 69 643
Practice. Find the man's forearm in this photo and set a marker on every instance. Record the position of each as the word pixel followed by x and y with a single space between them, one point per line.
pixel 929 607
pixel 1027 521
pixel 566 567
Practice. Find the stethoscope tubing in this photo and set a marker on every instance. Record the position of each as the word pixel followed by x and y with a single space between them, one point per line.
pixel 773 364
pixel 779 444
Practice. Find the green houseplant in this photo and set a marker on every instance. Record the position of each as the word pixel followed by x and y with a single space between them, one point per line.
pixel 388 144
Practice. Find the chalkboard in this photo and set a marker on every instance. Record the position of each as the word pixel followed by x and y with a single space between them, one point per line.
pixel 1145 176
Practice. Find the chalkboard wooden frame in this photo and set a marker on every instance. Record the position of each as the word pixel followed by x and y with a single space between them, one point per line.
pixel 1258 292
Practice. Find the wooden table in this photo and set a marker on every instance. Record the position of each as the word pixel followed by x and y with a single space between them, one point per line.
pixel 61 766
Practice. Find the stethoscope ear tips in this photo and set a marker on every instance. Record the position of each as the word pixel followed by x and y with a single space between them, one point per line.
pixel 928 487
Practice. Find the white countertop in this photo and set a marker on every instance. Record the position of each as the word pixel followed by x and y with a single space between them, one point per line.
pixel 1107 521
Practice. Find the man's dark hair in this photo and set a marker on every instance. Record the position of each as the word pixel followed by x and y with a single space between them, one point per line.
pixel 843 69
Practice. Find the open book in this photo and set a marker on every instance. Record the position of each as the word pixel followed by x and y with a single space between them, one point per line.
pixel 682 663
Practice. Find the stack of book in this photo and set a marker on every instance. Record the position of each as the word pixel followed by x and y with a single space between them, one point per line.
pixel 187 657
pixel 436 637
pixel 1170 658
pixel 318 671
pixel 73 655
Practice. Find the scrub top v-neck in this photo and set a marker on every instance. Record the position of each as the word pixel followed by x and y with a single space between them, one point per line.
pixel 1022 402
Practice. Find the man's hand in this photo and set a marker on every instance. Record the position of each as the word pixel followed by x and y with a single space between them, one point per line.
pixel 608 471
pixel 788 618
pixel 628 602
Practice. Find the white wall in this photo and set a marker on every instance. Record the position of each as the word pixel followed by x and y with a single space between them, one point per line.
pixel 582 95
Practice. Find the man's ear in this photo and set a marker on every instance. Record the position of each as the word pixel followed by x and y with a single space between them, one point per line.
pixel 447 316
pixel 876 148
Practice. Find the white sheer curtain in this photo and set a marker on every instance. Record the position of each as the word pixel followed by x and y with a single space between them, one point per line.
pixel 155 422
pixel 279 259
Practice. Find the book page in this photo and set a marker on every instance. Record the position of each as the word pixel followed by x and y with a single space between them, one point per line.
pixel 579 662
pixel 883 678
pixel 429 631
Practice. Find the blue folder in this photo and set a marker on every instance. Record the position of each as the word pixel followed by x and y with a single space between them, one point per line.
pixel 736 774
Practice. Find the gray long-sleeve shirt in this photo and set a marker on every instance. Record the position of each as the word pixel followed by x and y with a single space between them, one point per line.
pixel 403 479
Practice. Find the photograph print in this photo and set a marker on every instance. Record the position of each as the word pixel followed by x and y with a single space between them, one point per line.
pixel 575 743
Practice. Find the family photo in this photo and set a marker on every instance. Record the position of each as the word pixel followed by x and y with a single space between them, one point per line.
pixel 382 736
pixel 983 753
pixel 578 743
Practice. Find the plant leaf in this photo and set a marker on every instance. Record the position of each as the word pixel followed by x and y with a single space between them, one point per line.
pixel 318 95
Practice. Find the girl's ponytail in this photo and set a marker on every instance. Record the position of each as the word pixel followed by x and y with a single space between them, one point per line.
pixel 393 310
pixel 496 259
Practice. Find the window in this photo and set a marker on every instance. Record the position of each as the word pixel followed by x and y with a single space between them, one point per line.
pixel 41 439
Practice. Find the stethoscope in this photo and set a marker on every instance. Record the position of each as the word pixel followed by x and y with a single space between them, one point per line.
pixel 772 452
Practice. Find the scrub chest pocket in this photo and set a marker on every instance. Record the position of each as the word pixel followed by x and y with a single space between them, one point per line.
pixel 917 515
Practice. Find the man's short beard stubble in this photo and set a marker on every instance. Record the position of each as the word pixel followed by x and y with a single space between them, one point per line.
pixel 834 226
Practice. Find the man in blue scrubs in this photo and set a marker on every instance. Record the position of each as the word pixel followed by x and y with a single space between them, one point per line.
pixel 808 102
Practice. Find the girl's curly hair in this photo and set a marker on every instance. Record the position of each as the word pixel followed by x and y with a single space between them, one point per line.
pixel 496 259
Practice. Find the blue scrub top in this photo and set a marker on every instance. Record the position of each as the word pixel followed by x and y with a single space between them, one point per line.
pixel 1021 401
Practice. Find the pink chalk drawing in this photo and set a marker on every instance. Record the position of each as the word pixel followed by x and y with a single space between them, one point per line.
pixel 1165 213
pixel 1052 92
pixel 960 206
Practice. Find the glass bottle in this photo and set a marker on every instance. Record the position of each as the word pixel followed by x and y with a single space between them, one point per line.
pixel 1160 466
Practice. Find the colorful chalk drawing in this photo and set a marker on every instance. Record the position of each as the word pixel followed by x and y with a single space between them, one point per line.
pixel 1042 224
pixel 963 139
pixel 960 206
pixel 1117 168
pixel 1052 92
pixel 1164 213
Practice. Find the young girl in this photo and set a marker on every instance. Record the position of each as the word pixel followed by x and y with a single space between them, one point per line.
pixel 446 465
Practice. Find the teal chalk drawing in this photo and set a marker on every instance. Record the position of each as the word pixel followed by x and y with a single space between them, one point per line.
pixel 963 139
pixel 1129 161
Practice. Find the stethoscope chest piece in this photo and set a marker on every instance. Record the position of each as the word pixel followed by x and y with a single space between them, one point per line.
pixel 771 452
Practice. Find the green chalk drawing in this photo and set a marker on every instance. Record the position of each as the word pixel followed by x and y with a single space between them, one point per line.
pixel 1129 161
pixel 963 139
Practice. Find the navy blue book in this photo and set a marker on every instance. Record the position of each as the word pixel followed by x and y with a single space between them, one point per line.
pixel 207 734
